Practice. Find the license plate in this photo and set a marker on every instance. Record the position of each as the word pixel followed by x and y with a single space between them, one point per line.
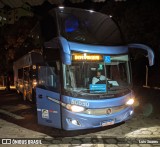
pixel 107 123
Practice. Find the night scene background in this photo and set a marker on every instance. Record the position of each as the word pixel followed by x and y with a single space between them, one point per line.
pixel 138 20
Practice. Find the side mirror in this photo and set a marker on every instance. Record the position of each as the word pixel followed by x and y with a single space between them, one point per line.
pixel 150 53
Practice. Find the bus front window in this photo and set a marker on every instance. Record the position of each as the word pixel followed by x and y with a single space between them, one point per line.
pixel 86 78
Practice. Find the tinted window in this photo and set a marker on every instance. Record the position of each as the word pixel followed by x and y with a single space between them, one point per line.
pixel 88 27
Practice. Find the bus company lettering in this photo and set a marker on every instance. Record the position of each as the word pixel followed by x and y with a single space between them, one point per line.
pixel 80 103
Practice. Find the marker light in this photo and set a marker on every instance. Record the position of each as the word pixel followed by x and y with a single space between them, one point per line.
pixel 130 101
pixel 34 83
pixel 75 108
pixel 34 66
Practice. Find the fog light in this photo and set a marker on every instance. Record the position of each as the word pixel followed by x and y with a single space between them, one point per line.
pixel 74 122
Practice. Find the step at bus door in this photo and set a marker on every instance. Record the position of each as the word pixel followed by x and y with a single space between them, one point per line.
pixel 48 108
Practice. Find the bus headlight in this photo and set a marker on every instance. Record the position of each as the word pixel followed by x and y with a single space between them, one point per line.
pixel 130 101
pixel 75 108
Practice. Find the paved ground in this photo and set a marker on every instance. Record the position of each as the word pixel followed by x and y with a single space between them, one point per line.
pixel 17 120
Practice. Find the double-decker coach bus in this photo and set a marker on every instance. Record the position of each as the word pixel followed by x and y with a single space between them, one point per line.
pixel 26 74
pixel 89 84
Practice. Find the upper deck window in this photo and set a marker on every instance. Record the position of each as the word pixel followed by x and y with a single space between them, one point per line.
pixel 82 26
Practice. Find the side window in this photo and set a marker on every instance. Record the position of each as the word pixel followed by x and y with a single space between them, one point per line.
pixel 48 75
pixel 48 78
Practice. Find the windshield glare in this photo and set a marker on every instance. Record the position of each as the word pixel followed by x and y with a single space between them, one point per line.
pixel 105 77
pixel 82 26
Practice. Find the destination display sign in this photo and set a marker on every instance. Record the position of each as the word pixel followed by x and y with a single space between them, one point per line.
pixel 87 57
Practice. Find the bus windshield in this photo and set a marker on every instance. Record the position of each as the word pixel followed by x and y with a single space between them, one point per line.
pixel 88 27
pixel 90 79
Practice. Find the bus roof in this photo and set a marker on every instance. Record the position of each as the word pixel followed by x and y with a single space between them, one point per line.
pixel 30 58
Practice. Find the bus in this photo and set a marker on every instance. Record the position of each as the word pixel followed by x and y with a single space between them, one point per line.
pixel 84 45
pixel 26 74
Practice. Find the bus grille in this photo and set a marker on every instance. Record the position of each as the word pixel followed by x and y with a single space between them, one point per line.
pixel 105 111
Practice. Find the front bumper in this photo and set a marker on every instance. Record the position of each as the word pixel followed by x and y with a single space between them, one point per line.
pixel 86 121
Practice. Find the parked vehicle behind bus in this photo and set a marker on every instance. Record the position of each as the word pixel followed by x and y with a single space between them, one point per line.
pixel 26 74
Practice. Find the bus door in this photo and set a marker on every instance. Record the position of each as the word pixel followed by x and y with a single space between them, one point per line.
pixel 48 97
pixel 28 73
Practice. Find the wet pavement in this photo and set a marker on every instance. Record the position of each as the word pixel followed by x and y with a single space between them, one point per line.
pixel 18 120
